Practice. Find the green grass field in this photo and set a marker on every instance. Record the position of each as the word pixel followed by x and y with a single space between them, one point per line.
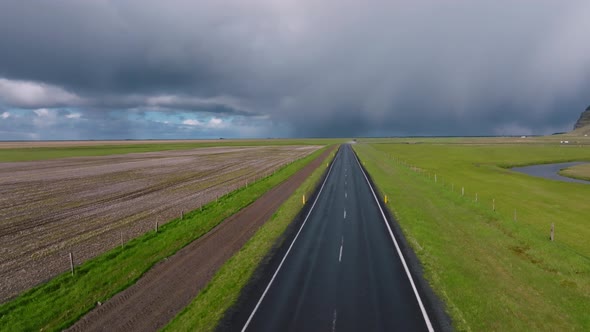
pixel 204 313
pixel 44 153
pixel 493 273
pixel 61 301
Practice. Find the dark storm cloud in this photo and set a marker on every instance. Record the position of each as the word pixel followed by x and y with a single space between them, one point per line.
pixel 319 68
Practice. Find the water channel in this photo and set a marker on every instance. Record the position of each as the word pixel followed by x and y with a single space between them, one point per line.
pixel 550 171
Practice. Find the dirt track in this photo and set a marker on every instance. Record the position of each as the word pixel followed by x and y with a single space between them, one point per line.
pixel 84 205
pixel 169 286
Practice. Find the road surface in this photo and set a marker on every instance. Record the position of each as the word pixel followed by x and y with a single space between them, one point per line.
pixel 342 271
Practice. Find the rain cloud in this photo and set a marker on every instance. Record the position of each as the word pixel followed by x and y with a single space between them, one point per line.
pixel 101 69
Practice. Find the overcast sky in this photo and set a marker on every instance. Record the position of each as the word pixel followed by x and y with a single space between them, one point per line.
pixel 116 69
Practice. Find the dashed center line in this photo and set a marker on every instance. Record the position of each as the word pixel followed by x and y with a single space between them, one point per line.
pixel 341 247
pixel 334 320
pixel 344 214
pixel 345 194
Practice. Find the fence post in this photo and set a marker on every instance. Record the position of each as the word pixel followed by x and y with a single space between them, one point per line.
pixel 462 191
pixel 514 214
pixel 494 204
pixel 156 226
pixel 476 197
pixel 72 262
pixel 552 232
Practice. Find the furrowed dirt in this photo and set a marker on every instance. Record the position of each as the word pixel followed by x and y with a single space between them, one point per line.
pixel 84 205
pixel 169 286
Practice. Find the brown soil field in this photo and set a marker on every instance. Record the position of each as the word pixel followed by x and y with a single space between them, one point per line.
pixel 84 204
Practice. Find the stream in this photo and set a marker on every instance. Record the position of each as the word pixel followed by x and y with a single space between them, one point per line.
pixel 550 171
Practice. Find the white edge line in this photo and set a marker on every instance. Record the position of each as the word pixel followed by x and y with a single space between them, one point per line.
pixel 399 252
pixel 291 246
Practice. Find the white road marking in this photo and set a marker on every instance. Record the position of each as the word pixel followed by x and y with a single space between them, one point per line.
pixel 341 247
pixel 334 320
pixel 399 252
pixel 345 194
pixel 289 249
pixel 345 214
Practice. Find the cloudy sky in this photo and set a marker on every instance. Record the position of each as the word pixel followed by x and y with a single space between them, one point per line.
pixel 115 69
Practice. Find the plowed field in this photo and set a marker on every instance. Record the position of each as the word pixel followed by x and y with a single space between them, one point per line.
pixel 89 205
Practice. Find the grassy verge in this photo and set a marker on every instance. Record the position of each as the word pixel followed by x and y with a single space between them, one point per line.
pixel 493 273
pixel 204 313
pixel 61 301
pixel 44 153
pixel 580 172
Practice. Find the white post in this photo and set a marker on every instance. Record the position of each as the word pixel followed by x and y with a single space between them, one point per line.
pixel 435 179
pixel 514 214
pixel 552 232
pixel 476 197
pixel 494 204
pixel 462 191
pixel 72 263
pixel 121 240
pixel 156 226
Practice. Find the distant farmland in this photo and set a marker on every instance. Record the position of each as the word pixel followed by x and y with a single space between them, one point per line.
pixel 87 205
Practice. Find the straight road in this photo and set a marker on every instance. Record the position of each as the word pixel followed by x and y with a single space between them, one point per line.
pixel 342 271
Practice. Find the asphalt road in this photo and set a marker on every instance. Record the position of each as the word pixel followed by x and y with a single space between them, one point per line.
pixel 342 271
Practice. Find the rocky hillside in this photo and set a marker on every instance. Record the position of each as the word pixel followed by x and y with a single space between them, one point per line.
pixel 584 119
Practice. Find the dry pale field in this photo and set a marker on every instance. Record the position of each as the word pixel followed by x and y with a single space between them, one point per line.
pixel 64 144
pixel 577 172
pixel 83 205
